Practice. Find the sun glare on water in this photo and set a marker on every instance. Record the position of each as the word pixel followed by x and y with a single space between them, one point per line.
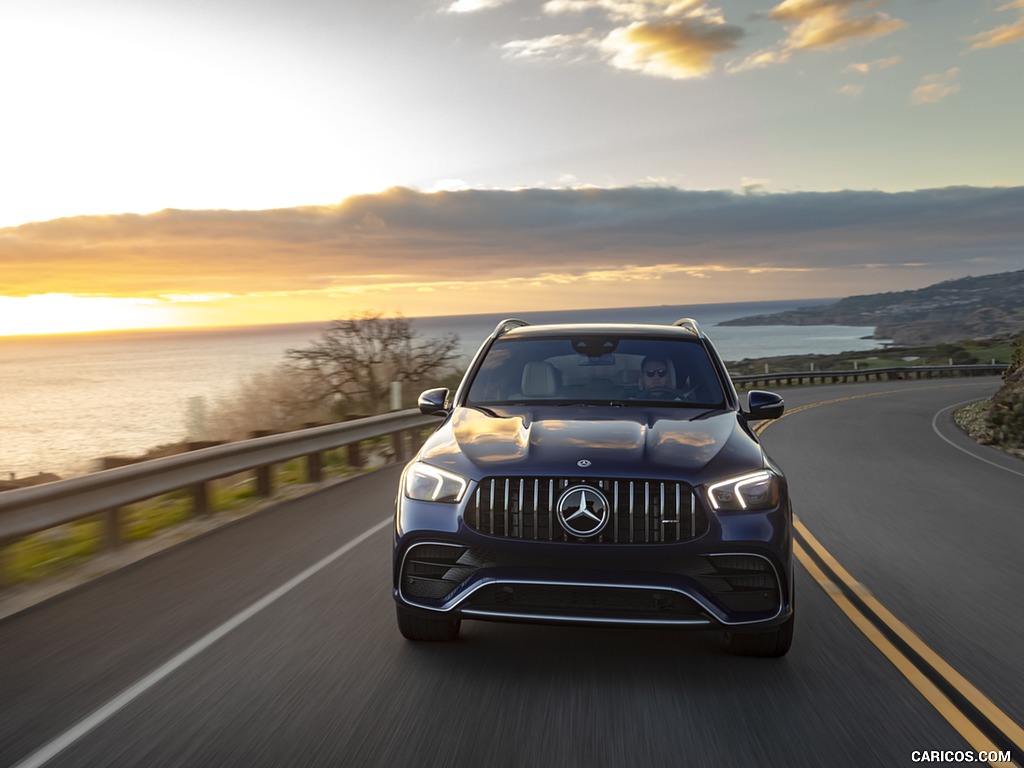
pixel 67 313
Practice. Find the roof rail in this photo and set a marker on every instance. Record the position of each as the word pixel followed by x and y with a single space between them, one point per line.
pixel 508 324
pixel 690 324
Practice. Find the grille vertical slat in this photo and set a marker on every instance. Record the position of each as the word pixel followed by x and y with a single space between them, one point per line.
pixel 536 509
pixel 641 510
pixel 679 514
pixel 551 510
pixel 615 513
pixel 647 512
pixel 632 501
pixel 491 508
pixel 479 489
pixel 505 507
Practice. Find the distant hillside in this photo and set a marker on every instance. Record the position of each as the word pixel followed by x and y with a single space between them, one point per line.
pixel 968 308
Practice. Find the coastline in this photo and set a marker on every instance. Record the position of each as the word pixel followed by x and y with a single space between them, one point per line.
pixel 974 351
pixel 70 400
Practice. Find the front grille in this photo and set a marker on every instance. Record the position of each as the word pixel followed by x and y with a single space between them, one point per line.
pixel 642 511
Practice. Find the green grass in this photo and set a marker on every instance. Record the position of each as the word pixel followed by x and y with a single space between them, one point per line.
pixel 45 554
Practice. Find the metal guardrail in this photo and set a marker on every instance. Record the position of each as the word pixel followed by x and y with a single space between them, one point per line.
pixel 866 374
pixel 24 511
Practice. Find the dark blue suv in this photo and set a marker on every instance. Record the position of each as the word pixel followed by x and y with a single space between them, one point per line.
pixel 599 475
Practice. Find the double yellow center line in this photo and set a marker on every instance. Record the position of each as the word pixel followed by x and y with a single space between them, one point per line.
pixel 974 716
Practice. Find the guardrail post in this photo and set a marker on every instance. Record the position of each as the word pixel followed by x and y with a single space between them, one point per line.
pixel 200 500
pixel 264 481
pixel 355 451
pixel 355 455
pixel 398 441
pixel 112 538
pixel 264 474
pixel 314 468
pixel 314 461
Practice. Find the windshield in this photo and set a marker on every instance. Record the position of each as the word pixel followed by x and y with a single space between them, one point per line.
pixel 595 370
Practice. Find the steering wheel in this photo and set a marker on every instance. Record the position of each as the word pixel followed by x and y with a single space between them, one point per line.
pixel 660 393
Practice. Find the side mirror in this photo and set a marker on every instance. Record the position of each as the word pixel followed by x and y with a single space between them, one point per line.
pixel 431 402
pixel 764 405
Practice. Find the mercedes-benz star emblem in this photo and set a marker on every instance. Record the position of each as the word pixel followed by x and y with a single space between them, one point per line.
pixel 583 511
pixel 583 463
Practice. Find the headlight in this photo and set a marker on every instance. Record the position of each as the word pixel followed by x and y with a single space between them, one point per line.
pixel 426 483
pixel 757 490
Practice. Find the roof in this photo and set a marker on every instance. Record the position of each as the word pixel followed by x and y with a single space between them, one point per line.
pixel 512 329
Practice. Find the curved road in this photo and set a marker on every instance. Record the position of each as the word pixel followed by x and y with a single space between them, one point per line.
pixel 272 641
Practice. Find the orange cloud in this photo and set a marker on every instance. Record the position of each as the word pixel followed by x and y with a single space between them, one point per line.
pixel 935 88
pixel 821 24
pixel 825 23
pixel 1004 34
pixel 677 49
pixel 469 248
pixel 675 39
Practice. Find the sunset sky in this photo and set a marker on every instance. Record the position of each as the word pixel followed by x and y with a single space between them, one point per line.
pixel 220 162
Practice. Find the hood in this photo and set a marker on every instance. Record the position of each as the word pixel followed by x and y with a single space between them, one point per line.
pixel 640 442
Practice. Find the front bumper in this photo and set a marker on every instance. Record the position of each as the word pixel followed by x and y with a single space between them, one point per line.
pixel 738 572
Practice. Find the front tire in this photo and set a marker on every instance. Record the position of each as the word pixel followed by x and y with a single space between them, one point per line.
pixel 414 626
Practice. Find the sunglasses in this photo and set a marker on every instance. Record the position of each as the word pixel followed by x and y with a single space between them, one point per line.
pixel 658 372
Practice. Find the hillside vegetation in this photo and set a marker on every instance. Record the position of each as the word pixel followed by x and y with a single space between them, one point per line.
pixel 991 306
pixel 1000 421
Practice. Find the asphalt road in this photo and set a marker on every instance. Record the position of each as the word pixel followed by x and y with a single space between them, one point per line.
pixel 248 648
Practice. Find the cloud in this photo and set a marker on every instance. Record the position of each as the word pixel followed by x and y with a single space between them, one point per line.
pixel 1003 34
pixel 852 90
pixel 864 68
pixel 820 24
pixel 469 6
pixel 935 88
pixel 826 23
pixel 675 39
pixel 550 48
pixel 678 49
pixel 481 240
pixel 636 10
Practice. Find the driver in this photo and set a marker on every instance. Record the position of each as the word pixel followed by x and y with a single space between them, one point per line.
pixel 654 373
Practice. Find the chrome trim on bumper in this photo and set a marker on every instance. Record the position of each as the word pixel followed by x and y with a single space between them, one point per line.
pixel 715 612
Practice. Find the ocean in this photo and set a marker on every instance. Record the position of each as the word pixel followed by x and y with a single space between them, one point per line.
pixel 67 400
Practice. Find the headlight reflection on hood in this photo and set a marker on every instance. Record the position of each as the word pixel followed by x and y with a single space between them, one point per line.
pixel 424 482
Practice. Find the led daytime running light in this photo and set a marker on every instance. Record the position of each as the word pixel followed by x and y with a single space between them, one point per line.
pixel 443 481
pixel 737 483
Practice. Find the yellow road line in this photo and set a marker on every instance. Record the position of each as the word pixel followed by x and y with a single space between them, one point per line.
pixel 979 700
pixel 1010 728
pixel 765 424
pixel 978 741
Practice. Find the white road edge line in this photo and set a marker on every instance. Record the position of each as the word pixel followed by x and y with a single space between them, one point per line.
pixel 935 428
pixel 45 753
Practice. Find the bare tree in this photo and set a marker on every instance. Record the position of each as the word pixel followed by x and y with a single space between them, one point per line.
pixel 276 400
pixel 356 360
